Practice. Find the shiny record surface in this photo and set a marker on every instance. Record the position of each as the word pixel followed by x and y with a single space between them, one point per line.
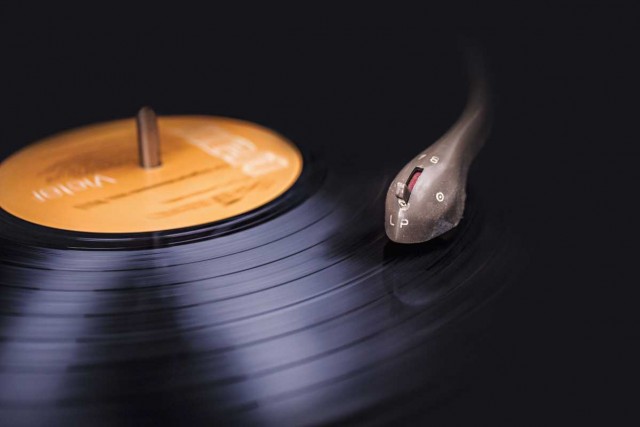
pixel 306 316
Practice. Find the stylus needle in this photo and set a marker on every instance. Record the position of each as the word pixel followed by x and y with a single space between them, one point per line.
pixel 427 197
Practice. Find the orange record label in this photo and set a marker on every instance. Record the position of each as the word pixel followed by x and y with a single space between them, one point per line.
pixel 89 179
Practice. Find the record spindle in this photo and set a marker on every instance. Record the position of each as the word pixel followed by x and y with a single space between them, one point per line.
pixel 148 138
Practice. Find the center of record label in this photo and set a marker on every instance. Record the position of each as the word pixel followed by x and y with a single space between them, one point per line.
pixel 90 180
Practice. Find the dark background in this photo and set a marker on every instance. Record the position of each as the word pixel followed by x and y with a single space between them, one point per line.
pixel 375 86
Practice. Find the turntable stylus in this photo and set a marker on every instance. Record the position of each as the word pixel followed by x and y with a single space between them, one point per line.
pixel 427 197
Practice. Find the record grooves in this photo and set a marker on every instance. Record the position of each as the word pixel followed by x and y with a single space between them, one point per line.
pixel 304 304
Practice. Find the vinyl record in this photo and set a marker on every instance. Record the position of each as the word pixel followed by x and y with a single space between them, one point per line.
pixel 302 312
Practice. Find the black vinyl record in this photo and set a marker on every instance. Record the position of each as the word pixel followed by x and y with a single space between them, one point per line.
pixel 302 312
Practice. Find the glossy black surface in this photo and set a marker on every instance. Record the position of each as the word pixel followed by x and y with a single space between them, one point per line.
pixel 312 309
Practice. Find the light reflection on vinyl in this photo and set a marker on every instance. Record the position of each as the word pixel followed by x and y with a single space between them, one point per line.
pixel 304 313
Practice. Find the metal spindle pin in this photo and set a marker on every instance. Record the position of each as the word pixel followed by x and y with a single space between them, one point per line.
pixel 148 138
